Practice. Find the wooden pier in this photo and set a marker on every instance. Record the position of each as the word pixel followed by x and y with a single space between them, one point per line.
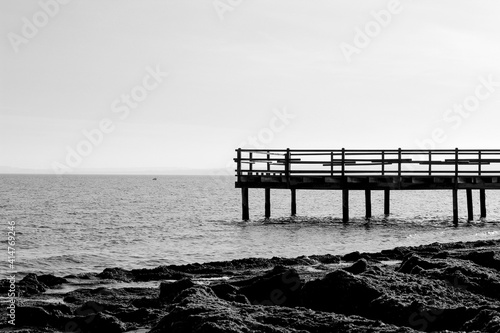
pixel 368 170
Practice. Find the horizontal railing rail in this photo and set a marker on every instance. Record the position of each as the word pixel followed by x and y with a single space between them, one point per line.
pixel 372 162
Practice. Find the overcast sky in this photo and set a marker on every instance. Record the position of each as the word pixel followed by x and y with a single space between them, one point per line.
pixel 181 84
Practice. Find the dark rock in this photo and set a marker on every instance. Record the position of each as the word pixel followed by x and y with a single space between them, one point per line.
pixel 169 290
pixel 116 273
pixel 200 310
pixel 486 321
pixel 88 308
pixel 57 308
pixel 414 260
pixel 339 292
pixel 353 256
pixel 326 259
pixel 484 258
pixel 229 293
pixel 358 267
pixel 441 255
pixel 97 323
pixel 32 316
pixel 51 280
pixel 150 303
pixel 30 285
pixel 158 273
pixel 136 316
pixel 281 286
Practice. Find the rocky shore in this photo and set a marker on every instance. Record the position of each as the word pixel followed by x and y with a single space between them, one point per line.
pixel 453 287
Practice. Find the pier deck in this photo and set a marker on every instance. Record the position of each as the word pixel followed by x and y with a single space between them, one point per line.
pixel 368 169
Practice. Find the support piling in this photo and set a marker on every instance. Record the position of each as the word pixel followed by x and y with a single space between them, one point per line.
pixel 470 206
pixel 455 207
pixel 482 199
pixel 387 201
pixel 244 201
pixel 368 204
pixel 345 205
pixel 268 203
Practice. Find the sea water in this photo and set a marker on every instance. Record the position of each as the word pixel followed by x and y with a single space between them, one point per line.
pixel 85 223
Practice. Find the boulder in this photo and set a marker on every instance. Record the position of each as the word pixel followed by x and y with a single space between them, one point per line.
pixel 485 321
pixel 281 286
pixel 32 316
pixel 30 285
pixel 51 280
pixel 339 292
pixel 116 273
pixel 169 290
pixel 358 267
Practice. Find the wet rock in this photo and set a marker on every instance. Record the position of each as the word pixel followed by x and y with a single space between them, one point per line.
pixel 57 308
pixel 104 299
pixel 326 259
pixel 353 256
pixel 158 273
pixel 484 258
pixel 200 310
pixel 281 286
pixel 51 280
pixel 339 292
pixel 229 293
pixel 150 303
pixel 30 285
pixel 441 255
pixel 100 322
pixel 358 267
pixel 136 316
pixel 414 260
pixel 169 290
pixel 32 316
pixel 117 274
pixel 485 321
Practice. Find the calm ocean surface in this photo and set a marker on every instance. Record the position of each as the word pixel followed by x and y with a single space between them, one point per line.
pixel 74 224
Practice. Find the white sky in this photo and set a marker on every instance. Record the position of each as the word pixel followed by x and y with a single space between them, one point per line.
pixel 226 78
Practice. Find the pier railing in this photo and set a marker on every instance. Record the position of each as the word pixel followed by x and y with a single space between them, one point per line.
pixel 372 162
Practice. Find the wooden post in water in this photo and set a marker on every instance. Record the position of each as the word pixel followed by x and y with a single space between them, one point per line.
pixel 368 204
pixel 345 205
pixel 470 206
pixel 455 207
pixel 482 199
pixel 294 201
pixel 268 202
pixel 387 201
pixel 244 201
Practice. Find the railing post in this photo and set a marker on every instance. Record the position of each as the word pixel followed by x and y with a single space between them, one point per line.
pixel 238 164
pixel 268 163
pixel 456 164
pixel 343 161
pixel 331 161
pixel 383 162
pixel 287 167
pixel 399 162
pixel 250 165
pixel 479 163
pixel 430 162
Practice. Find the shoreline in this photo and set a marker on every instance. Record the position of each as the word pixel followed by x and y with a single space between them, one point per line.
pixel 440 286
